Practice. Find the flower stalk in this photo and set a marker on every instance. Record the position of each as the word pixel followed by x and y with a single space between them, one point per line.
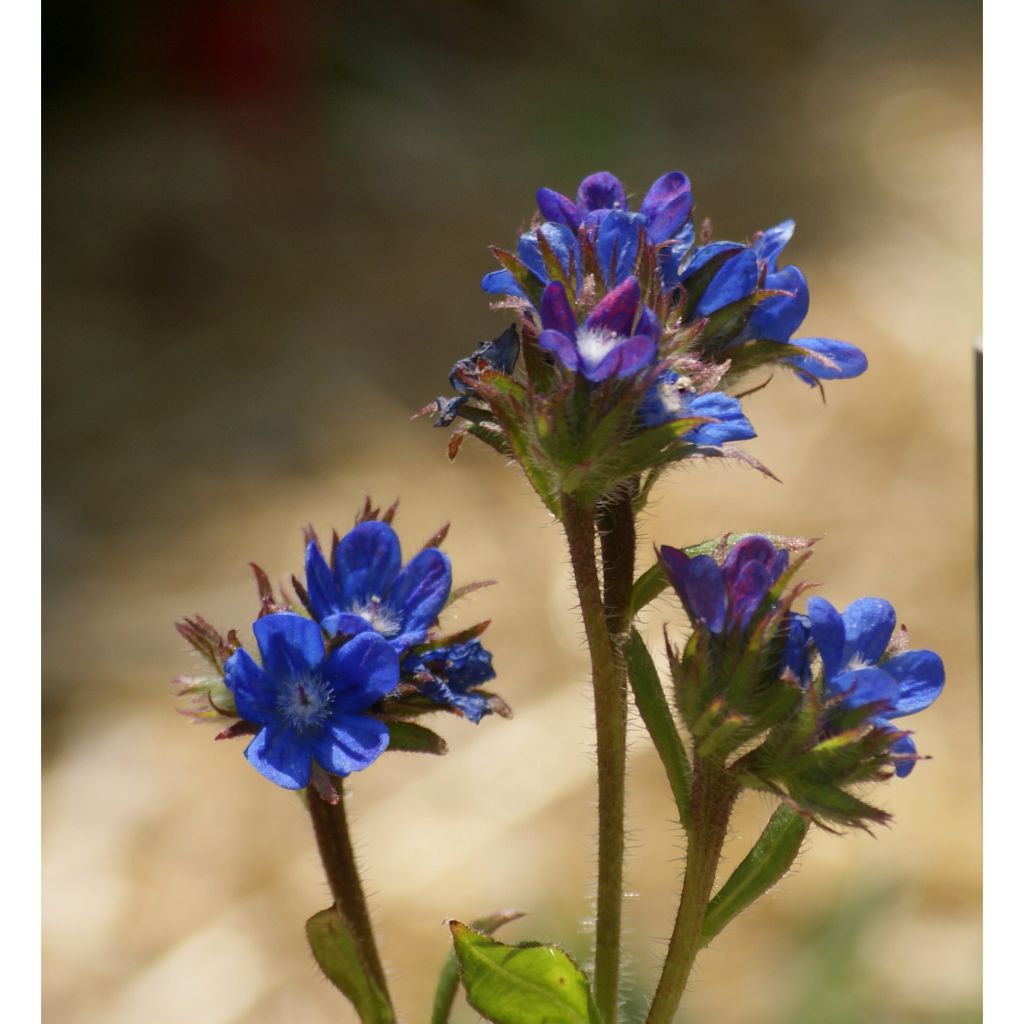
pixel 600 611
pixel 330 825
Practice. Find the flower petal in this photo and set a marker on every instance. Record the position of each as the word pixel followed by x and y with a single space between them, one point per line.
pixel 501 282
pixel 601 191
pixel 422 589
pixel 667 206
pixel 905 751
pixel 672 257
pixel 618 242
pixel 290 645
pixel 868 623
pixel 558 208
pixel 699 584
pixel 920 675
pixel 772 242
pixel 555 341
pixel 616 312
pixel 281 756
pixel 562 241
pixel 746 592
pixel 731 425
pixel 351 743
pixel 777 317
pixel 254 691
pixel 556 312
pixel 863 686
pixel 736 280
pixel 649 324
pixel 828 632
pixel 366 563
pixel 345 624
pixel 626 357
pixel 749 549
pixel 361 672
pixel 324 592
pixel 830 359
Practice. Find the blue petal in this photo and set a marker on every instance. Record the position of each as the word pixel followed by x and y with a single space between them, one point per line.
pixel 556 313
pixel 732 425
pixel 366 563
pixel 906 755
pixel 345 624
pixel 772 242
pixel 422 589
pixel 840 360
pixel 750 549
pixel 616 312
pixel 281 756
pixel 601 191
pixel 351 743
pixel 736 280
pixel 920 675
pixel 703 255
pixel 291 645
pixel 667 206
pixel 699 584
pixel 746 592
pixel 649 324
pixel 829 633
pixel 776 318
pixel 868 623
pixel 562 242
pixel 501 282
pixel 324 592
pixel 361 672
pixel 563 347
pixel 558 208
pixel 254 691
pixel 863 686
pixel 796 656
pixel 626 357
pixel 672 258
pixel 618 242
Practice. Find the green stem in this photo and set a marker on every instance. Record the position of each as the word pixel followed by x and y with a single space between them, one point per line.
pixel 712 796
pixel 330 826
pixel 609 684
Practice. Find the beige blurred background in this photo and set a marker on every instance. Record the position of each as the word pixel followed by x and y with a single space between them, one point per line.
pixel 264 225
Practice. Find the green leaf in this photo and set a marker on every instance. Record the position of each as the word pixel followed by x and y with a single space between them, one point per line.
pixel 448 982
pixel 528 983
pixel 654 710
pixel 335 950
pixel 415 739
pixel 769 859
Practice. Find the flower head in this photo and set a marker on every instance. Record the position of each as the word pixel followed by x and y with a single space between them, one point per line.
pixel 451 673
pixel 311 704
pixel 860 667
pixel 366 588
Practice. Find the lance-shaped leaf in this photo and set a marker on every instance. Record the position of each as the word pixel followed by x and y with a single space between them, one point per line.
pixel 522 984
pixel 769 859
pixel 448 982
pixel 415 739
pixel 335 950
pixel 654 710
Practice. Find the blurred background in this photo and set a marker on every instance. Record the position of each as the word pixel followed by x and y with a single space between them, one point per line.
pixel 264 225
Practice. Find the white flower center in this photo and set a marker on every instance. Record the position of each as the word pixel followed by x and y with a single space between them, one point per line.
pixel 306 702
pixel 593 344
pixel 383 619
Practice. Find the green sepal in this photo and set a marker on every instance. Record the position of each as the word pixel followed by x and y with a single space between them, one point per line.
pixel 769 859
pixel 526 983
pixel 336 951
pixel 415 739
pixel 448 981
pixel 657 716
pixel 725 324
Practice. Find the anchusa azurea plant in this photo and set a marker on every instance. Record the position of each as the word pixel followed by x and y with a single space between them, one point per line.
pixel 634 330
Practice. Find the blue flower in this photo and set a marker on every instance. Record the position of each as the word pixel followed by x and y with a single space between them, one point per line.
pixel 857 672
pixel 366 588
pixel 447 675
pixel 311 705
pixel 604 345
pixel 666 400
pixel 724 599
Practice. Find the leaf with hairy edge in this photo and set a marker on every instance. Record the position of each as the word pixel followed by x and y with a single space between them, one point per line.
pixel 527 983
pixel 335 950
pixel 415 739
pixel 654 710
pixel 448 982
pixel 769 859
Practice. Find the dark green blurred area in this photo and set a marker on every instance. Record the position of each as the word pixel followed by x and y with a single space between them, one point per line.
pixel 264 224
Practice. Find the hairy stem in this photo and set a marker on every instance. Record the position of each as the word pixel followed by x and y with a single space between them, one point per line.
pixel 712 796
pixel 609 684
pixel 616 525
pixel 330 825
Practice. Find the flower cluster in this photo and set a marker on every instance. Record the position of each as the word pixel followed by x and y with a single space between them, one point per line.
pixel 346 666
pixel 630 332
pixel 817 692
